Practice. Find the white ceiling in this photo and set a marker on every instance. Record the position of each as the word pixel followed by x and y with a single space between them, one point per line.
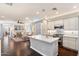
pixel 22 10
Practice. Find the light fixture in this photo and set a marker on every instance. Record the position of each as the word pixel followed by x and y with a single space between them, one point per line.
pixel 74 7
pixel 9 4
pixel 37 12
pixel 57 12
pixel 27 18
pixel 20 22
pixel 2 16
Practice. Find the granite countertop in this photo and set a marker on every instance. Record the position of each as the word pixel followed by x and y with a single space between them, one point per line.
pixel 44 38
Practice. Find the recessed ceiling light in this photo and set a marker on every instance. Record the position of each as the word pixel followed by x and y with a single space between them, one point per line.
pixel 27 18
pixel 37 12
pixel 2 16
pixel 10 4
pixel 57 12
pixel 74 6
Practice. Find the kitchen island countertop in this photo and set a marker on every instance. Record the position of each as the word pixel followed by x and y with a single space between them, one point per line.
pixel 44 38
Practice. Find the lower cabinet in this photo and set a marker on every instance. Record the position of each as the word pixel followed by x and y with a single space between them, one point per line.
pixel 70 42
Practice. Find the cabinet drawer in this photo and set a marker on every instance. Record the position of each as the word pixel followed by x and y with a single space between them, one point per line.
pixel 71 23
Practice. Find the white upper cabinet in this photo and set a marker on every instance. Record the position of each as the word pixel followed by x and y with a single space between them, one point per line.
pixel 76 23
pixel 71 23
pixel 58 22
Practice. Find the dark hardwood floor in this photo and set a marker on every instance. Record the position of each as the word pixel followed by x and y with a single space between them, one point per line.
pixel 30 52
pixel 62 51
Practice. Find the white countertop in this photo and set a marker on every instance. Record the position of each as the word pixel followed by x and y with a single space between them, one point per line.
pixel 44 38
pixel 73 36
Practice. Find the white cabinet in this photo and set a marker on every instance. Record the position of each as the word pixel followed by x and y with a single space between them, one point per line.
pixel 69 42
pixel 77 44
pixel 71 23
pixel 76 23
pixel 58 22
pixel 44 47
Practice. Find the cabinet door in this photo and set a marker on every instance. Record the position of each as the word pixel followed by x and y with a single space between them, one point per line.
pixel 66 24
pixel 76 23
pixel 71 23
pixel 58 22
pixel 77 43
pixel 69 42
pixel 72 43
pixel 65 42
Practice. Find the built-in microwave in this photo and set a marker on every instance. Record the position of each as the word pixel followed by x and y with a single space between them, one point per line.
pixel 59 26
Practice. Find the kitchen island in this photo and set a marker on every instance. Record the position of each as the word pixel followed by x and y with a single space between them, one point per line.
pixel 45 45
